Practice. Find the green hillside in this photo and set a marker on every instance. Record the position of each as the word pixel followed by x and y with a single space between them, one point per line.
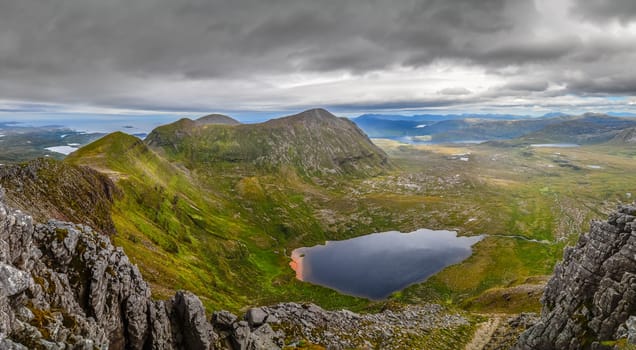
pixel 217 208
pixel 194 216
pixel 314 142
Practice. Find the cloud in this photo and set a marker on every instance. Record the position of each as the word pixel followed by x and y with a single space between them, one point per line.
pixel 623 84
pixel 603 11
pixel 526 85
pixel 454 91
pixel 197 55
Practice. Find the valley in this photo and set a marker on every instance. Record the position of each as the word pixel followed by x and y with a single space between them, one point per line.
pixel 216 207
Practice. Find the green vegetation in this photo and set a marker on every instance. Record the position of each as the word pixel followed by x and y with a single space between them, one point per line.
pixel 217 209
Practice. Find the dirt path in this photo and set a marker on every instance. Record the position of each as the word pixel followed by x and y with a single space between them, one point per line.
pixel 484 332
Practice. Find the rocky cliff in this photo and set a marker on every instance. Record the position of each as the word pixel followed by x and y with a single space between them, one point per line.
pixel 590 302
pixel 65 286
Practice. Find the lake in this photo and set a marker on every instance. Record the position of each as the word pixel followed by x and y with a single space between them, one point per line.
pixel 375 265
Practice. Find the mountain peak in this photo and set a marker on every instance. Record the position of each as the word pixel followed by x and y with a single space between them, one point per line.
pixel 316 113
pixel 217 119
pixel 314 142
pixel 311 114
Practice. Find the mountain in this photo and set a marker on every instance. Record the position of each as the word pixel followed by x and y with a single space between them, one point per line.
pixel 382 128
pixel 457 128
pixel 590 302
pixel 490 129
pixel 552 128
pixel 217 119
pixel 439 117
pixel 589 128
pixel 313 142
pixel 625 137
pixel 213 208
pixel 555 114
pixel 621 114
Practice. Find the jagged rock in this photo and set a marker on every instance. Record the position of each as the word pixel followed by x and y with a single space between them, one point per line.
pixel 341 329
pixel 592 295
pixel 196 331
pixel 264 338
pixel 631 329
pixel 255 317
pixel 240 335
pixel 65 286
pixel 136 319
pixel 12 280
pixel 161 337
pixel 7 344
pixel 223 319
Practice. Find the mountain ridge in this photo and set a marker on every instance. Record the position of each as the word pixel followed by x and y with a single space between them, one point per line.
pixel 315 142
pixel 217 119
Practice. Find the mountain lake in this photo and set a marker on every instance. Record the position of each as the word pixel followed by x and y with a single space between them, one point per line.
pixel 375 265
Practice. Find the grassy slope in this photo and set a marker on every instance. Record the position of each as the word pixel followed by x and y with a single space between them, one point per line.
pixel 46 189
pixel 543 194
pixel 223 237
pixel 225 230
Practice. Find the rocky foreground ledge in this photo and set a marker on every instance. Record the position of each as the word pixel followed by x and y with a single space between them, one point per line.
pixel 64 286
pixel 590 302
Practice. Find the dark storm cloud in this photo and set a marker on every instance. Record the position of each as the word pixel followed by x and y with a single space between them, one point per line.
pixel 400 104
pixel 604 10
pixel 623 84
pixel 143 54
pixel 237 37
pixel 526 85
pixel 530 51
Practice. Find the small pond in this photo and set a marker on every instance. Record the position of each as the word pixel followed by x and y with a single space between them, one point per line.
pixel 375 265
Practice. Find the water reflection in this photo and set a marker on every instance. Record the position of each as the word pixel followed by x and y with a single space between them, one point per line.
pixel 378 264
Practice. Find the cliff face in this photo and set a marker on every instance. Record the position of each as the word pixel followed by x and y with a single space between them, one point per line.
pixel 64 284
pixel 590 302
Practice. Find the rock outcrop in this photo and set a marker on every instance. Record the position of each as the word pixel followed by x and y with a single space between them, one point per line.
pixel 65 286
pixel 267 327
pixel 590 302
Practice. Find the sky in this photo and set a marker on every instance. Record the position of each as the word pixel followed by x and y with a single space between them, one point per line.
pixel 255 58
